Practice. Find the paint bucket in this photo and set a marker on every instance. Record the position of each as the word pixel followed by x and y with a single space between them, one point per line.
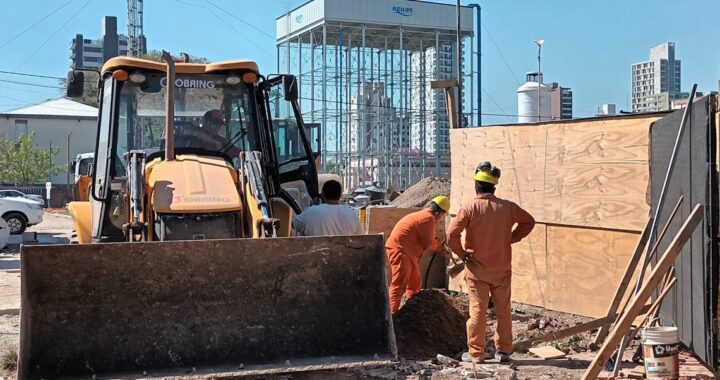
pixel 660 349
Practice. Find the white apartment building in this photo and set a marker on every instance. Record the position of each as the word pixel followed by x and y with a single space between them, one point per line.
pixel 656 82
pixel 427 106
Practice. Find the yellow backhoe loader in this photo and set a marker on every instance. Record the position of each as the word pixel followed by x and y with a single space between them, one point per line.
pixel 186 262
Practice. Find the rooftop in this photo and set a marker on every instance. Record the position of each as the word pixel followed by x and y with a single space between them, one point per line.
pixel 55 107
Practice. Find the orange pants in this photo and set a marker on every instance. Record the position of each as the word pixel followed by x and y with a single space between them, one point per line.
pixel 405 277
pixel 498 285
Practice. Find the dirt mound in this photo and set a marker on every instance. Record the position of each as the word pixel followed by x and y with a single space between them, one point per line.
pixel 421 193
pixel 431 323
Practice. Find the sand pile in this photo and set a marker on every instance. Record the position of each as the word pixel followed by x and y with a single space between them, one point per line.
pixel 420 194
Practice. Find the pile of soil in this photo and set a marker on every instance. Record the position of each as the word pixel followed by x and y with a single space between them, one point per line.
pixel 421 193
pixel 431 323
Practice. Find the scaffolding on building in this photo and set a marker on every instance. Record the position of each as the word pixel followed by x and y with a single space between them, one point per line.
pixel 365 78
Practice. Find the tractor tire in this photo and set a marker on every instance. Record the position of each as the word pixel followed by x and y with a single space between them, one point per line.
pixel 16 223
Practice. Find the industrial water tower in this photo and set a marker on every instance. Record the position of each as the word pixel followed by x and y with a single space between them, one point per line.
pixel 527 96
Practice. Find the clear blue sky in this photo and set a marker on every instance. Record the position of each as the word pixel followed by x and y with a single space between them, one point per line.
pixel 590 45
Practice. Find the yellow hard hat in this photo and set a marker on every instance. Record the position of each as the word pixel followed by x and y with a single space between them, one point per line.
pixel 483 176
pixel 443 202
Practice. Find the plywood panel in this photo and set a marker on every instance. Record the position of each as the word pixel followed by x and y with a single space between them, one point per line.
pixel 381 220
pixel 586 173
pixel 584 267
pixel 530 275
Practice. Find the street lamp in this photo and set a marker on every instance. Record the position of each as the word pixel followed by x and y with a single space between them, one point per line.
pixel 539 44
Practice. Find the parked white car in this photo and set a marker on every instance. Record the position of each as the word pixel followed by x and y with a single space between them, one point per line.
pixel 16 193
pixel 20 213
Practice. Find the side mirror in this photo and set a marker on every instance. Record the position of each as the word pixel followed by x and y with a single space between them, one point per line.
pixel 75 84
pixel 290 88
pixel 72 166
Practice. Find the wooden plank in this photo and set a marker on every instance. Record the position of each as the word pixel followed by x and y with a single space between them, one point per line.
pixel 529 269
pixel 570 331
pixel 547 352
pixel 662 266
pixel 381 220
pixel 622 287
pixel 582 265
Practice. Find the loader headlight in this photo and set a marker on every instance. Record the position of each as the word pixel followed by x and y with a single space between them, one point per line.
pixel 137 78
pixel 233 80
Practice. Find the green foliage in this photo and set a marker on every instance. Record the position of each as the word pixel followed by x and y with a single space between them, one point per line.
pixel 90 89
pixel 8 360
pixel 331 167
pixel 156 55
pixel 22 163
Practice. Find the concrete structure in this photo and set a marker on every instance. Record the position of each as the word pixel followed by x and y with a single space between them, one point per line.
pixel 57 123
pixel 607 109
pixel 347 53
pixel 561 102
pixel 527 99
pixel 91 54
pixel 656 82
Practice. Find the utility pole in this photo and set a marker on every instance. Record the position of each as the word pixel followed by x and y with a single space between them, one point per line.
pixel 69 163
pixel 539 77
pixel 458 58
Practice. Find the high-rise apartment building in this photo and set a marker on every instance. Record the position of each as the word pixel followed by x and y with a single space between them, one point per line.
pixel 656 82
pixel 91 54
pixel 429 120
pixel 561 102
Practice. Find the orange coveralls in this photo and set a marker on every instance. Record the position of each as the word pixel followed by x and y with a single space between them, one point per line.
pixel 488 224
pixel 410 237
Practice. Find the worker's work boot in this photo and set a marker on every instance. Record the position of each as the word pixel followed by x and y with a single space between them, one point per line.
pixel 502 357
pixel 466 357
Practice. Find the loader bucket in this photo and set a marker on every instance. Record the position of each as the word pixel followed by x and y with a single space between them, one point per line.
pixel 215 307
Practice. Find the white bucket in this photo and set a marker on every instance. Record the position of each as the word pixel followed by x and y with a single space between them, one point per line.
pixel 660 349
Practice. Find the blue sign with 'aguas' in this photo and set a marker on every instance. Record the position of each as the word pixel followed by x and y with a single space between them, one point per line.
pixel 403 11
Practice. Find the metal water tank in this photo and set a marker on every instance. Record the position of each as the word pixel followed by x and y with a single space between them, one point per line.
pixel 527 102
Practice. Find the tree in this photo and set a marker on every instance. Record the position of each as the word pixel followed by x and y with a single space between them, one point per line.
pixel 90 93
pixel 156 55
pixel 23 163
pixel 90 89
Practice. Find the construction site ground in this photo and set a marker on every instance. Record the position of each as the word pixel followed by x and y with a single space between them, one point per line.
pixel 431 323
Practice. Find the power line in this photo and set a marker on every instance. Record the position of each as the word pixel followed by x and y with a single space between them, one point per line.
pixel 501 54
pixel 262 48
pixel 69 20
pixel 29 84
pixel 30 75
pixel 494 102
pixel 34 25
pixel 239 19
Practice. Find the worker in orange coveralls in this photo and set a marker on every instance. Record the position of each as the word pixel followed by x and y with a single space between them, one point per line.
pixel 412 235
pixel 488 224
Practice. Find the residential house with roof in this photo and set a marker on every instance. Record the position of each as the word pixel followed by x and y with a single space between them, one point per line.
pixel 63 123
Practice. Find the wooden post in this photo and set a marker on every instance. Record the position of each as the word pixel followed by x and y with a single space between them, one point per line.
pixel 638 301
pixel 448 86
